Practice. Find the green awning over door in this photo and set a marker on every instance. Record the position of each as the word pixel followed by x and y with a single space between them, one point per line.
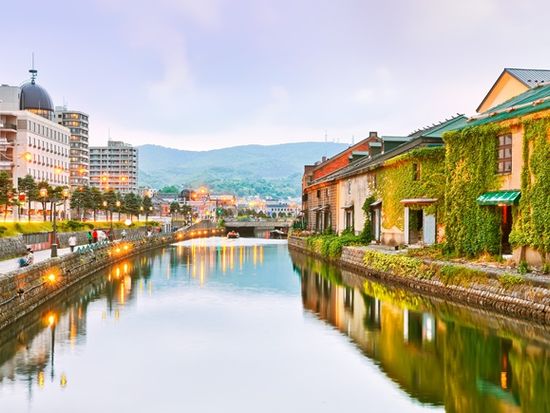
pixel 499 198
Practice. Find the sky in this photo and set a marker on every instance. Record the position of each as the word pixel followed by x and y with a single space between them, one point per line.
pixel 204 74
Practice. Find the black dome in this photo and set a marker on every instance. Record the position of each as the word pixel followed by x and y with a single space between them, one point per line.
pixel 35 97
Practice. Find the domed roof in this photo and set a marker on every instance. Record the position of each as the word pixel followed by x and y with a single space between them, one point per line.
pixel 35 97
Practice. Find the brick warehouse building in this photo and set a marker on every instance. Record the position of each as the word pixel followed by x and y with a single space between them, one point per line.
pixel 319 198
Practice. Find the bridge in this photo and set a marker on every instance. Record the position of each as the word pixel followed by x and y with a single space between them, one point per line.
pixel 259 229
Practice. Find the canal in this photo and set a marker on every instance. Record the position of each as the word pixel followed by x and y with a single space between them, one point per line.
pixel 243 325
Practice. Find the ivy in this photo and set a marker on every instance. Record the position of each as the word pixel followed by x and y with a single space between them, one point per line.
pixel 471 169
pixel 532 224
pixel 396 181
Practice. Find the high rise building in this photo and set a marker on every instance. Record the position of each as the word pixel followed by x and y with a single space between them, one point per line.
pixel 31 143
pixel 79 166
pixel 114 167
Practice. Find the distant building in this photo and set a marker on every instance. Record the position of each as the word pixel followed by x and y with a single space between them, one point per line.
pixel 79 165
pixel 31 143
pixel 114 167
pixel 277 208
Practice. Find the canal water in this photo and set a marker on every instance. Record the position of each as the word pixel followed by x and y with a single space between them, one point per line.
pixel 243 326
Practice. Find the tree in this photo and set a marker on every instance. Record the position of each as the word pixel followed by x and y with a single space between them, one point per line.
pixel 45 189
pixel 30 188
pixel 132 204
pixel 6 192
pixel 95 201
pixel 78 201
pixel 110 199
pixel 147 205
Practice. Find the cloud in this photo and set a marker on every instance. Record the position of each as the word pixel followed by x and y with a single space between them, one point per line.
pixel 157 29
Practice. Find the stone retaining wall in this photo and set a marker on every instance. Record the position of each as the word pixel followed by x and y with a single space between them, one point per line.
pixel 23 290
pixel 525 301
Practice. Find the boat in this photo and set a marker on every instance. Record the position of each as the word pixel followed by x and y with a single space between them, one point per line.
pixel 232 235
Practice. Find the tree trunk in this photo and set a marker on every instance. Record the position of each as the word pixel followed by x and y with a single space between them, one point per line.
pixel 95 214
pixel 29 211
pixel 44 210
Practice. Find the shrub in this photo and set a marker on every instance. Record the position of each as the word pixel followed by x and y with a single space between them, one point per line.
pixel 523 267
pixel 510 280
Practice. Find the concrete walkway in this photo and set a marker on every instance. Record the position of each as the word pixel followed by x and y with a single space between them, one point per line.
pixel 39 256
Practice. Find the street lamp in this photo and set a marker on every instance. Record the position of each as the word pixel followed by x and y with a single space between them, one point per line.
pixel 43 194
pixel 65 195
pixel 118 203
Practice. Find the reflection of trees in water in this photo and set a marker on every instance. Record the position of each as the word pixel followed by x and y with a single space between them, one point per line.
pixel 434 356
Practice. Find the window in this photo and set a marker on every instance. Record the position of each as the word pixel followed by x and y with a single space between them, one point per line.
pixel 504 155
pixel 415 172
pixel 318 193
pixel 349 186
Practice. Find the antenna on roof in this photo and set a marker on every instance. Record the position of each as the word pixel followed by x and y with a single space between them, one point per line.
pixel 352 140
pixel 326 137
pixel 33 71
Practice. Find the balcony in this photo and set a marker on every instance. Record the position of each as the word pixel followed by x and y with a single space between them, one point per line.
pixel 9 127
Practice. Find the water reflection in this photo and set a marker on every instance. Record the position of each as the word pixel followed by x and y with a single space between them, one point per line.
pixel 265 318
pixel 431 350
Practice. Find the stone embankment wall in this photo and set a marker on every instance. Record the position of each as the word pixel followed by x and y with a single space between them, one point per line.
pixel 525 301
pixel 23 290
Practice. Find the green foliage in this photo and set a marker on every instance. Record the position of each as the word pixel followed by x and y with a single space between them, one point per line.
pixel 523 267
pixel 471 169
pixel 405 266
pixel 532 223
pixel 396 181
pixel 71 225
pixel 511 280
pixel 171 189
pixel 397 264
pixel 330 246
pixel 366 234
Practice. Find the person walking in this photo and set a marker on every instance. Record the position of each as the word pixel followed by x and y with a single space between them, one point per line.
pixel 72 242
pixel 89 237
pixel 94 236
pixel 123 234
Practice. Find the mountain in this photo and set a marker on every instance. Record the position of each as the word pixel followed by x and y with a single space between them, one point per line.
pixel 265 170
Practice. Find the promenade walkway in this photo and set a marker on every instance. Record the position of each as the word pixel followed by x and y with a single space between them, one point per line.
pixel 39 256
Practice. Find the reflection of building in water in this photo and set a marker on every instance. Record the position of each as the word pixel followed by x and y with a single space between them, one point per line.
pixel 435 360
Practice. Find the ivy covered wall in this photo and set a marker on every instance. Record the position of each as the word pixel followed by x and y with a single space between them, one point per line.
pixel 396 181
pixel 532 224
pixel 471 169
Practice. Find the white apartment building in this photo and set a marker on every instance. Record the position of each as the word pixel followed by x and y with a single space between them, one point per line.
pixel 114 167
pixel 31 143
pixel 79 166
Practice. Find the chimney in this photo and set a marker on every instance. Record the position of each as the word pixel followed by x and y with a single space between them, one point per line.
pixel 373 134
pixel 323 159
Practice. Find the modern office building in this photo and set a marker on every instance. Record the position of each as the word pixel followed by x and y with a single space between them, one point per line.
pixel 114 167
pixel 79 166
pixel 31 143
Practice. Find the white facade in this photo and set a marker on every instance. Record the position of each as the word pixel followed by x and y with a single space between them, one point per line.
pixel 33 145
pixel 114 167
pixel 79 166
pixel 352 193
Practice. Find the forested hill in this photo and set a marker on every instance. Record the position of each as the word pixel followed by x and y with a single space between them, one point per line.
pixel 270 170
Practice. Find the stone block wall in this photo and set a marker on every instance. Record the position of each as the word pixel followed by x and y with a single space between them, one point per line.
pixel 529 300
pixel 25 289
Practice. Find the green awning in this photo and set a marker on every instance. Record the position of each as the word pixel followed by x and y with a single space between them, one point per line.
pixel 499 198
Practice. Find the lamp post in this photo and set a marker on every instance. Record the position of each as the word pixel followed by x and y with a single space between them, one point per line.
pixel 43 194
pixel 118 208
pixel 65 195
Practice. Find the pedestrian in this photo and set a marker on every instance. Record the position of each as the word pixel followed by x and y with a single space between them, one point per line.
pixel 28 259
pixel 94 236
pixel 123 234
pixel 89 237
pixel 72 242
